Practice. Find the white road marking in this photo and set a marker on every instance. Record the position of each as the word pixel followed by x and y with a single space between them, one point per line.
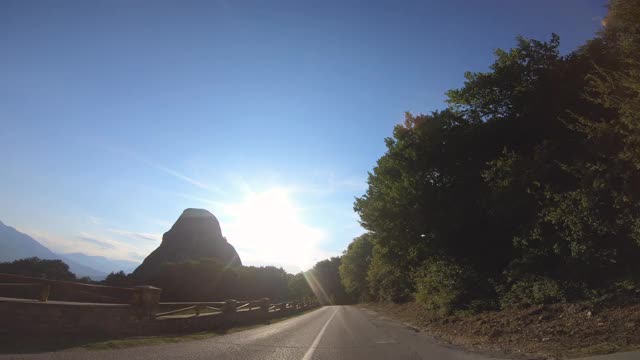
pixel 309 353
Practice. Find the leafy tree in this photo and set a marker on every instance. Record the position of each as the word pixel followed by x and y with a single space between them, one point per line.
pixel 354 266
pixel 259 282
pixel 525 187
pixel 426 198
pixel 443 286
pixel 610 219
pixel 584 230
pixel 299 288
pixel 41 268
pixel 524 103
pixel 202 280
pixel 387 281
pixel 324 280
pixel 119 279
pixel 209 280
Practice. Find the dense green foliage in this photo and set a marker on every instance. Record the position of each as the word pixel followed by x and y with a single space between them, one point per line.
pixel 118 279
pixel 204 280
pixel 354 266
pixel 299 288
pixel 209 280
pixel 40 268
pixel 443 285
pixel 324 281
pixel 525 190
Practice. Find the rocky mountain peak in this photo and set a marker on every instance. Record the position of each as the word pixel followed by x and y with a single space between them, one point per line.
pixel 195 235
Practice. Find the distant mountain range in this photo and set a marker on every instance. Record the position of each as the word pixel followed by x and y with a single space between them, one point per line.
pixel 102 263
pixel 16 245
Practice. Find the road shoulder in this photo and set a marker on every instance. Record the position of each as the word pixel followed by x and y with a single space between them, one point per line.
pixel 537 333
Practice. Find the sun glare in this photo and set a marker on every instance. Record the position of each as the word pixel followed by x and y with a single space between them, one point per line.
pixel 267 228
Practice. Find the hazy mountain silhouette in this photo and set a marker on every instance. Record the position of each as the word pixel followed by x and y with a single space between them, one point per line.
pixel 102 263
pixel 16 245
pixel 195 235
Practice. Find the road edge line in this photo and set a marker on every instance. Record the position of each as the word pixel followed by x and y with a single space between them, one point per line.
pixel 316 341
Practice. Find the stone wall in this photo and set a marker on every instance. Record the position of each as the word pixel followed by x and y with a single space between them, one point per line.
pixel 32 317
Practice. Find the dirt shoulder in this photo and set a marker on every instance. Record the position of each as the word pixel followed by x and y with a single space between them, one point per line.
pixel 558 331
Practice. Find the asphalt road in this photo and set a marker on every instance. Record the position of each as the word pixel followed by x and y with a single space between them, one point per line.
pixel 333 332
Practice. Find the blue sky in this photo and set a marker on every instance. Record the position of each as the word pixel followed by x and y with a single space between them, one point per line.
pixel 117 115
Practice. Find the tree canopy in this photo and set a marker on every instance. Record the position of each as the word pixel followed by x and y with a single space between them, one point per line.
pixel 354 266
pixel 523 190
pixel 40 268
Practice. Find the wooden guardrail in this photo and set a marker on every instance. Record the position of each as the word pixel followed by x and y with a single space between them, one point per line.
pixel 146 298
pixel 229 306
pixel 185 307
pixel 100 293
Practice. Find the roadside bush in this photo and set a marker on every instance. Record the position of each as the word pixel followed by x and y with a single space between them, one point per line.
pixel 387 280
pixel 534 290
pixel 444 286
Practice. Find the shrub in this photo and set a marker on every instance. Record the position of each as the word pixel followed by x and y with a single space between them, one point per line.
pixel 387 280
pixel 444 286
pixel 534 290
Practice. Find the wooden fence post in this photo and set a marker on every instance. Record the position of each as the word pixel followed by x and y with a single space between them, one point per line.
pixel 146 299
pixel 229 306
pixel 229 312
pixel 265 304
pixel 45 290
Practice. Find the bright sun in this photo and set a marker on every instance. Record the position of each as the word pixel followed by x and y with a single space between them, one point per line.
pixel 266 228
